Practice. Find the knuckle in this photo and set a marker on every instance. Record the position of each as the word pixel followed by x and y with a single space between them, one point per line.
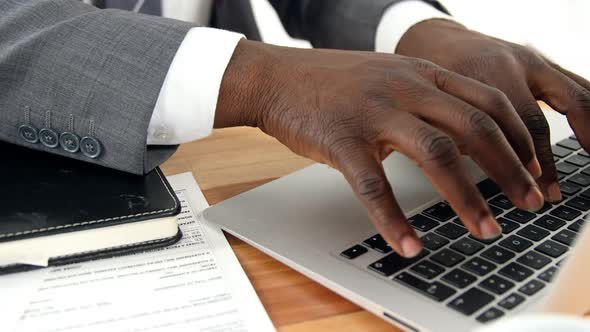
pixel 528 57
pixel 436 147
pixel 339 147
pixel 371 187
pixel 580 96
pixel 477 123
pixel 421 64
pixel 535 121
pixel 498 100
pixel 441 78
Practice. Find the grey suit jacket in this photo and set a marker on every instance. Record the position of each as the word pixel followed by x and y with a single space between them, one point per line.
pixel 82 82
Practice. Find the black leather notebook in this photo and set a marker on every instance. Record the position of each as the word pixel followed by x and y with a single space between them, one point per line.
pixel 56 210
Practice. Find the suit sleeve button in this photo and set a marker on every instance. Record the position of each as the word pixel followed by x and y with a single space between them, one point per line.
pixel 70 142
pixel 90 147
pixel 49 138
pixel 28 133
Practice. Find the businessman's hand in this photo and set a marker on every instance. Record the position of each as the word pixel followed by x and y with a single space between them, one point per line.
pixel 523 75
pixel 352 109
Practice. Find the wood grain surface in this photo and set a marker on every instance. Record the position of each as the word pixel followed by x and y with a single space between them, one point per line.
pixel 235 160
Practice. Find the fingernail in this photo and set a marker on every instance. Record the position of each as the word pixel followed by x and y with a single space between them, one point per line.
pixel 411 246
pixel 554 192
pixel 489 229
pixel 535 168
pixel 534 199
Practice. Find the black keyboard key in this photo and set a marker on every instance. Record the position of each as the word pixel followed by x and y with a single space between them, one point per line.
pixel 422 223
pixel 498 254
pixel 488 188
pixel 549 222
pixel 353 252
pixel 560 152
pixel 577 225
pixel 585 194
pixel 565 212
pixel 520 216
pixel 566 169
pixel 451 231
pixel 584 154
pixel 574 137
pixel 532 232
pixel 467 246
pixel 427 269
pixel 546 207
pixel 486 241
pixel 393 263
pixel 569 144
pixel 459 278
pixel 441 211
pixel 534 259
pixel 516 243
pixel 516 272
pixel 434 290
pixel 496 211
pixel 507 225
pixel 532 287
pixel 447 257
pixel 579 203
pixel 548 274
pixel 378 243
pixel 511 301
pixel 496 284
pixel 580 179
pixel 578 160
pixel 560 176
pixel 490 315
pixel 568 188
pixel 471 301
pixel 565 236
pixel 551 248
pixel 433 241
pixel 502 202
pixel 479 266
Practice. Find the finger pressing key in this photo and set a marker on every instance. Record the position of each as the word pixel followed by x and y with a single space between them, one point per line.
pixel 362 168
pixel 439 158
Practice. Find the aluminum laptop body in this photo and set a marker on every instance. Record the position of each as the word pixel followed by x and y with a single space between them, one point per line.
pixel 307 219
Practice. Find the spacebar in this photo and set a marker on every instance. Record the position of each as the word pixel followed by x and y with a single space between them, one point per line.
pixel 434 290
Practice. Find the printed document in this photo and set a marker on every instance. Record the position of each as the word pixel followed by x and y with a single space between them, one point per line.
pixel 194 285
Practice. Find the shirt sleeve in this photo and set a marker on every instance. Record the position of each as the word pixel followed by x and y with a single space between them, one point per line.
pixel 399 18
pixel 185 109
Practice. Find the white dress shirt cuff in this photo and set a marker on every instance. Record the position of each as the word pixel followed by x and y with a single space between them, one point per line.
pixel 185 109
pixel 399 18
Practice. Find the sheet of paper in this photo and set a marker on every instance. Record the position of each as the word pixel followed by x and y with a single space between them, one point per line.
pixel 195 285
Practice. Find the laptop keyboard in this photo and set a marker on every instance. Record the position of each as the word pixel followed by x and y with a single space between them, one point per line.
pixel 486 279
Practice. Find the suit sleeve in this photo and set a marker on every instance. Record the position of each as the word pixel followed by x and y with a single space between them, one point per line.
pixel 339 24
pixel 69 68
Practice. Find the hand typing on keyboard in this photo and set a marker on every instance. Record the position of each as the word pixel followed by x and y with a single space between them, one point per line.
pixel 473 94
pixel 522 75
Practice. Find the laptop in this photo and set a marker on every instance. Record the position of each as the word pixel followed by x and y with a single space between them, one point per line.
pixel 311 221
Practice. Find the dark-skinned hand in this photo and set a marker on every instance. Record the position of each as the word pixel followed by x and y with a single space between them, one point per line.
pixel 350 110
pixel 522 75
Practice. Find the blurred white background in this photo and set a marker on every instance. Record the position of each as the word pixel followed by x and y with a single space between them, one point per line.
pixel 558 28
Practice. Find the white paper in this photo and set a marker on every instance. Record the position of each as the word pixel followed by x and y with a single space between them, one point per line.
pixel 194 285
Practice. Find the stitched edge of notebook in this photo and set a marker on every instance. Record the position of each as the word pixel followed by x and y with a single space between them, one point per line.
pixel 98 221
pixel 106 250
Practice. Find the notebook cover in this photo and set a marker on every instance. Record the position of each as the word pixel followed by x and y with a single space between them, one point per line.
pixel 43 194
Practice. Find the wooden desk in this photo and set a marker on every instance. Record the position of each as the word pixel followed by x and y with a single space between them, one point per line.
pixel 235 160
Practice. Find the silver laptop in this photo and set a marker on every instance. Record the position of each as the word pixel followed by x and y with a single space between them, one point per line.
pixel 311 221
